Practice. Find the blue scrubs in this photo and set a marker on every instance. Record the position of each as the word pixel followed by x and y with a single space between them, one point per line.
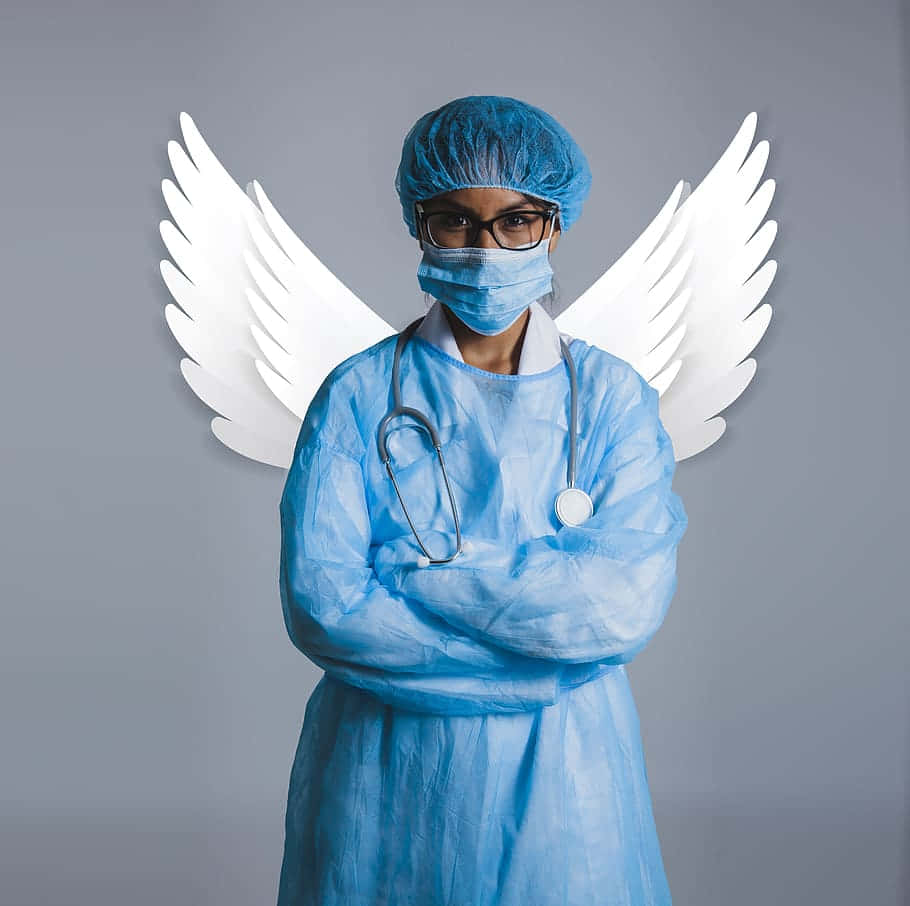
pixel 474 741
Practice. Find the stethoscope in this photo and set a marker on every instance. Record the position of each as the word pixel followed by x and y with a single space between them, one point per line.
pixel 573 506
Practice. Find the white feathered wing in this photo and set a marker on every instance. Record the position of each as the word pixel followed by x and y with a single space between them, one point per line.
pixel 252 301
pixel 680 304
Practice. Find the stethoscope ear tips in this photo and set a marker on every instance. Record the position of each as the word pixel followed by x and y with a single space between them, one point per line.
pixel 423 560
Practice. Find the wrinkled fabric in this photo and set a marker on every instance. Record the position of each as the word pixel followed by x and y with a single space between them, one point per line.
pixel 474 741
pixel 494 141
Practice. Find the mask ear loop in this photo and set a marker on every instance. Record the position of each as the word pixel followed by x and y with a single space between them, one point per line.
pixel 553 217
pixel 550 305
pixel 418 220
pixel 418 211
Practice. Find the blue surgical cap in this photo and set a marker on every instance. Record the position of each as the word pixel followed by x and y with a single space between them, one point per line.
pixel 488 140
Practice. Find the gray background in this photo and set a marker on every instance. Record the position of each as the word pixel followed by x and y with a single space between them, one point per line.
pixel 151 698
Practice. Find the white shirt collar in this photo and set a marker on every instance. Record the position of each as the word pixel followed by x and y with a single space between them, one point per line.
pixel 540 349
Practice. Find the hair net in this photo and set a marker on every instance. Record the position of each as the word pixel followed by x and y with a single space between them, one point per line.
pixel 488 140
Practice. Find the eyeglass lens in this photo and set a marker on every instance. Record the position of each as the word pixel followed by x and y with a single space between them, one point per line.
pixel 515 230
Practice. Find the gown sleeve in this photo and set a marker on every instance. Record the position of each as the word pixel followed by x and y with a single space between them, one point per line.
pixel 338 613
pixel 591 593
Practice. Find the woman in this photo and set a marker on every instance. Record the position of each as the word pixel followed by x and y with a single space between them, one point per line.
pixel 474 741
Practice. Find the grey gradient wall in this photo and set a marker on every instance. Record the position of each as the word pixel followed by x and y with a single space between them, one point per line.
pixel 151 698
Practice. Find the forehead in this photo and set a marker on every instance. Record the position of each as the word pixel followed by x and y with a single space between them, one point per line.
pixel 483 199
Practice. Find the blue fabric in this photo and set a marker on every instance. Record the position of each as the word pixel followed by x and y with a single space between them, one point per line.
pixel 486 288
pixel 474 739
pixel 490 140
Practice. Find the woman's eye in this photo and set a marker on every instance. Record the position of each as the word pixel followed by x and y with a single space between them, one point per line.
pixel 521 221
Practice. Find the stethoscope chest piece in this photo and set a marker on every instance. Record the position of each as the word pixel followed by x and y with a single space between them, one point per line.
pixel 573 506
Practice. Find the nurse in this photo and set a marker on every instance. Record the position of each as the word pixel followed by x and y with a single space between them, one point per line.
pixel 474 741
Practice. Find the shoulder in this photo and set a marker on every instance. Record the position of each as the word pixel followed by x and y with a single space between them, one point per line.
pixel 361 370
pixel 630 407
pixel 610 380
pixel 354 386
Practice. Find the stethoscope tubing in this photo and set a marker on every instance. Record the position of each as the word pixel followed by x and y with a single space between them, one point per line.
pixel 398 410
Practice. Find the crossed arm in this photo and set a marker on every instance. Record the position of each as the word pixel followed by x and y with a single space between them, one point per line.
pixel 493 630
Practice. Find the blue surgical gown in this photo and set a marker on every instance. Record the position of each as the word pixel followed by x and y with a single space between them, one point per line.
pixel 474 741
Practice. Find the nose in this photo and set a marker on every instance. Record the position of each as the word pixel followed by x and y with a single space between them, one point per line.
pixel 485 240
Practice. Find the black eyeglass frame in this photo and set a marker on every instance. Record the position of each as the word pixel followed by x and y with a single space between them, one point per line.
pixel 549 214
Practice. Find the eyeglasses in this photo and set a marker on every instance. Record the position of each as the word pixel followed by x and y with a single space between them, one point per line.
pixel 516 230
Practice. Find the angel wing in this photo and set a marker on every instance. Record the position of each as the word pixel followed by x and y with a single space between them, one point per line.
pixel 680 304
pixel 252 299
pixel 251 293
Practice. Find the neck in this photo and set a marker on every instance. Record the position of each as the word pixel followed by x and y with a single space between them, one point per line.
pixel 500 353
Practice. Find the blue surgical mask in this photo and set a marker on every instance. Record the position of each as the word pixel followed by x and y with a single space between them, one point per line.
pixel 487 289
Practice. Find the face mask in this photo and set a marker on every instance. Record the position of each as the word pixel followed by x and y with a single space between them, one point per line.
pixel 487 289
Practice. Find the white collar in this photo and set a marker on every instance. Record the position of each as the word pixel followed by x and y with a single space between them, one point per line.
pixel 540 349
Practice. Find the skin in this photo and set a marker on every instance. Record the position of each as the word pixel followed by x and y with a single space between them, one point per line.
pixel 502 352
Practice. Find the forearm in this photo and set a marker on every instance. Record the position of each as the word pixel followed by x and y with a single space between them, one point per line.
pixel 501 691
pixel 344 613
pixel 592 593
pixel 364 634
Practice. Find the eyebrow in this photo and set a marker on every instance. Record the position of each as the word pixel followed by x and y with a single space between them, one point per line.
pixel 518 205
